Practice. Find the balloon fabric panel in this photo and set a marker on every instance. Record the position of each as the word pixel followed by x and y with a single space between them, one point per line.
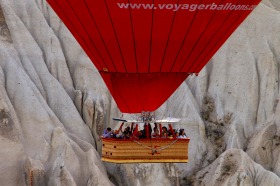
pixel 144 49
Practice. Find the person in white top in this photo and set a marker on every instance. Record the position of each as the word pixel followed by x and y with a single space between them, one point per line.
pixel 182 134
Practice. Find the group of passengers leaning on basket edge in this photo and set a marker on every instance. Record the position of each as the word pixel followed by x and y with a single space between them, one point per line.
pixel 134 133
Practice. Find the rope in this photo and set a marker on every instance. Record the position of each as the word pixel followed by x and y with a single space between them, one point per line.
pixel 154 150
pixel 175 100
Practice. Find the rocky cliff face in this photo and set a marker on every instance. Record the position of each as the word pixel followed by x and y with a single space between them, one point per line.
pixel 54 105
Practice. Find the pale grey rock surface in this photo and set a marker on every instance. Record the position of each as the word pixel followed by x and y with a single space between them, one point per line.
pixel 234 167
pixel 43 137
pixel 54 105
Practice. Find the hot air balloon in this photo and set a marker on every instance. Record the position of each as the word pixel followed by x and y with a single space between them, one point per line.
pixel 145 49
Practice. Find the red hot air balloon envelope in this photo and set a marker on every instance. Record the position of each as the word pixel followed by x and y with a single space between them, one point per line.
pixel 144 49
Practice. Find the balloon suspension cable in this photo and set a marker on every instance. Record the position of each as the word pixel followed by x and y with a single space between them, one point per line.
pixel 155 150
pixel 178 99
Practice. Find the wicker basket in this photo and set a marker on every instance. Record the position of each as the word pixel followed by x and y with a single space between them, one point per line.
pixel 144 150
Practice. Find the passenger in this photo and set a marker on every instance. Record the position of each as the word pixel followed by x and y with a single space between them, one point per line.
pixel 107 133
pixel 177 134
pixel 140 135
pixel 165 133
pixel 118 134
pixel 182 134
pixel 155 134
pixel 170 133
pixel 114 133
pixel 126 135
pixel 127 129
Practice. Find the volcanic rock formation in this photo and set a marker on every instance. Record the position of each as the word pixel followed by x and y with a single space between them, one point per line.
pixel 54 106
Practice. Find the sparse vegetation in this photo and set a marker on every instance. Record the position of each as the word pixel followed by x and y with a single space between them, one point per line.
pixel 99 120
pixel 4 118
pixel 2 18
pixel 215 127
pixel 4 30
pixel 276 141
